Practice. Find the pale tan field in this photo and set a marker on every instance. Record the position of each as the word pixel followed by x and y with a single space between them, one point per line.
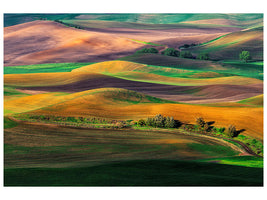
pixel 50 42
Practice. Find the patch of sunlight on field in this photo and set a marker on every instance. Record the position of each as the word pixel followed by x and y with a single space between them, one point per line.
pixel 246 161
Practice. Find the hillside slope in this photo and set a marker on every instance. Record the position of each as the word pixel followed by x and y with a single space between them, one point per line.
pixel 50 42
pixel 231 45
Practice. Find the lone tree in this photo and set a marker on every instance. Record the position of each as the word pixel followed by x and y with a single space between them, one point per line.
pixel 231 131
pixel 200 122
pixel 245 56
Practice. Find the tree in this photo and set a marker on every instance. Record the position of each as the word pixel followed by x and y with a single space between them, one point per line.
pixel 159 120
pixel 171 52
pixel 245 56
pixel 169 122
pixel 231 131
pixel 150 122
pixel 203 56
pixel 152 50
pixel 186 54
pixel 200 122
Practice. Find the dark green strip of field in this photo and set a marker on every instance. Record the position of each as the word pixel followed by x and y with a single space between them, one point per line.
pixel 43 68
pixel 138 173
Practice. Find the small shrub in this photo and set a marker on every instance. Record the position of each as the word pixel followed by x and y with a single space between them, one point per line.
pixel 120 125
pixel 132 123
pixel 141 122
pixel 221 130
pixel 71 119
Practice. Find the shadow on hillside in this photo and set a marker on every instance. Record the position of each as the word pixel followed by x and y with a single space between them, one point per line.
pixel 239 131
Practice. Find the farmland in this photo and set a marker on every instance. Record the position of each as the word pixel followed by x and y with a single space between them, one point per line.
pixel 79 91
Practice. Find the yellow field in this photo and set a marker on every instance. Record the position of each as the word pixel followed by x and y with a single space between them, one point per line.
pixel 125 69
pixel 116 104
pixel 154 78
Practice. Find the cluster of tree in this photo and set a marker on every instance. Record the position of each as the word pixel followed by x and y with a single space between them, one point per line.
pixel 148 50
pixel 175 53
pixel 205 127
pixel 186 54
pixel 159 121
pixel 171 52
pixel 92 120
pixel 185 46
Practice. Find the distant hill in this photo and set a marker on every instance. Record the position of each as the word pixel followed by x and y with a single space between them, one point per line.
pixel 231 45
pixel 160 18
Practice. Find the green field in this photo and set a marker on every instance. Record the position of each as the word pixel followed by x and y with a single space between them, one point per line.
pixel 246 161
pixel 139 173
pixel 43 68
pixel 157 63
pixel 92 157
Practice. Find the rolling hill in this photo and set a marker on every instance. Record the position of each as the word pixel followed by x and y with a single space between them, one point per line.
pixel 50 42
pixel 192 87
pixel 231 45
pixel 120 104
pixel 149 18
pixel 43 41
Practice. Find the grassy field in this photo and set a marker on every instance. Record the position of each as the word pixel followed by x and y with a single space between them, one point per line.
pixel 150 173
pixel 43 68
pixel 192 66
pixel 54 146
pixel 45 155
pixel 257 101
